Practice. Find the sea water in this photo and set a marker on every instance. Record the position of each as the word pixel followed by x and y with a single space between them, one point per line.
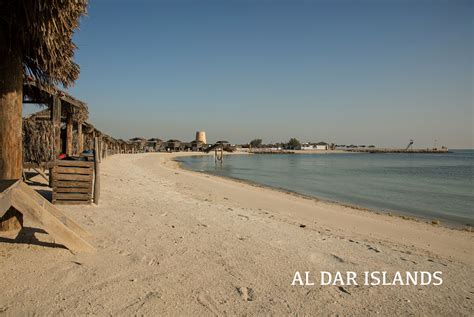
pixel 432 186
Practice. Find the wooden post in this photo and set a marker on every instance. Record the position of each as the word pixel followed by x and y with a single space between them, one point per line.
pixel 56 123
pixel 11 96
pixel 11 145
pixel 80 139
pixel 96 171
pixel 69 126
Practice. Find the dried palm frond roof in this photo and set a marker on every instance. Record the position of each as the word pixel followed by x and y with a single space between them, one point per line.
pixel 40 32
pixel 35 92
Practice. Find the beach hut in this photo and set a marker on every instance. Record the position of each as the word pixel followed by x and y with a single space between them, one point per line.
pixel 153 145
pixel 36 41
pixel 196 145
pixel 55 130
pixel 138 144
pixel 173 145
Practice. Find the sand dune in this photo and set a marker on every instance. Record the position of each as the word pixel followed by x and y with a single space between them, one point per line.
pixel 177 242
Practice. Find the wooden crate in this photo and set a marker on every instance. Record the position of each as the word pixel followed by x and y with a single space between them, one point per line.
pixel 72 182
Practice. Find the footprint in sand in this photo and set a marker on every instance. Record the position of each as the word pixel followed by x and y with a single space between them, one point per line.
pixel 207 301
pixel 371 248
pixel 246 293
pixel 153 262
pixel 243 217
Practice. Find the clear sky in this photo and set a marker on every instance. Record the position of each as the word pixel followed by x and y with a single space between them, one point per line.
pixel 362 72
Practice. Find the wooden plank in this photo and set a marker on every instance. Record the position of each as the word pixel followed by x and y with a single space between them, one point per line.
pixel 72 196
pixel 71 177
pixel 68 184
pixel 73 163
pixel 72 202
pixel 56 121
pixel 73 170
pixel 41 174
pixel 68 222
pixel 48 222
pixel 72 190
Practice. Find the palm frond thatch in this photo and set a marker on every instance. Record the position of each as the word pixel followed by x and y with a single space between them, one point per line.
pixel 40 31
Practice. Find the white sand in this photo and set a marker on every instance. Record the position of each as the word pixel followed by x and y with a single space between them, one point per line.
pixel 176 242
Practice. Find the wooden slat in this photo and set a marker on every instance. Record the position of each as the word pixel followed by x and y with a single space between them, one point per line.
pixel 74 163
pixel 72 190
pixel 71 177
pixel 73 170
pixel 49 222
pixel 68 184
pixel 71 196
pixel 72 202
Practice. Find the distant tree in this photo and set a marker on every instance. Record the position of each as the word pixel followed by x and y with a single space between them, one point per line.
pixel 256 143
pixel 293 144
pixel 371 146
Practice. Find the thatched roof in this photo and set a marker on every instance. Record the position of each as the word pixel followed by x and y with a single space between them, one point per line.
pixel 40 32
pixel 137 139
pixel 35 92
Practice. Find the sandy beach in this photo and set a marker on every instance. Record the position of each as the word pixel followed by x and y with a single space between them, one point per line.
pixel 176 242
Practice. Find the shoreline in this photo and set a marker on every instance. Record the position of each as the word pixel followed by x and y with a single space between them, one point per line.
pixel 176 242
pixel 392 213
pixel 391 223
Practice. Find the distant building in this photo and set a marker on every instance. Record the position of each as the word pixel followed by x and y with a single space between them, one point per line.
pixel 173 145
pixel 196 145
pixel 323 146
pixel 153 145
pixel 306 146
pixel 201 136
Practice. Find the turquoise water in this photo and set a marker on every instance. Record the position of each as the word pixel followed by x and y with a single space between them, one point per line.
pixel 433 186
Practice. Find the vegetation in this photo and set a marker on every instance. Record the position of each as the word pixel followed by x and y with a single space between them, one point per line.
pixel 256 143
pixel 293 144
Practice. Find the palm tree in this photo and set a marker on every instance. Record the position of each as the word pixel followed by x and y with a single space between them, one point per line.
pixel 36 41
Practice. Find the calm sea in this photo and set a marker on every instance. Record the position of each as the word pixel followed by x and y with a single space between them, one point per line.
pixel 433 186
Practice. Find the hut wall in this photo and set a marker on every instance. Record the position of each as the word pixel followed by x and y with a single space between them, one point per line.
pixel 37 141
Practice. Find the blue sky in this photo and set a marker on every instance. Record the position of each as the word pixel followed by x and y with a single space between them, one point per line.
pixel 362 72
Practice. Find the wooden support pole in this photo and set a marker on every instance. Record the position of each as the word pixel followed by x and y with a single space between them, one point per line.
pixel 56 121
pixel 96 171
pixel 80 138
pixel 69 126
pixel 11 96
